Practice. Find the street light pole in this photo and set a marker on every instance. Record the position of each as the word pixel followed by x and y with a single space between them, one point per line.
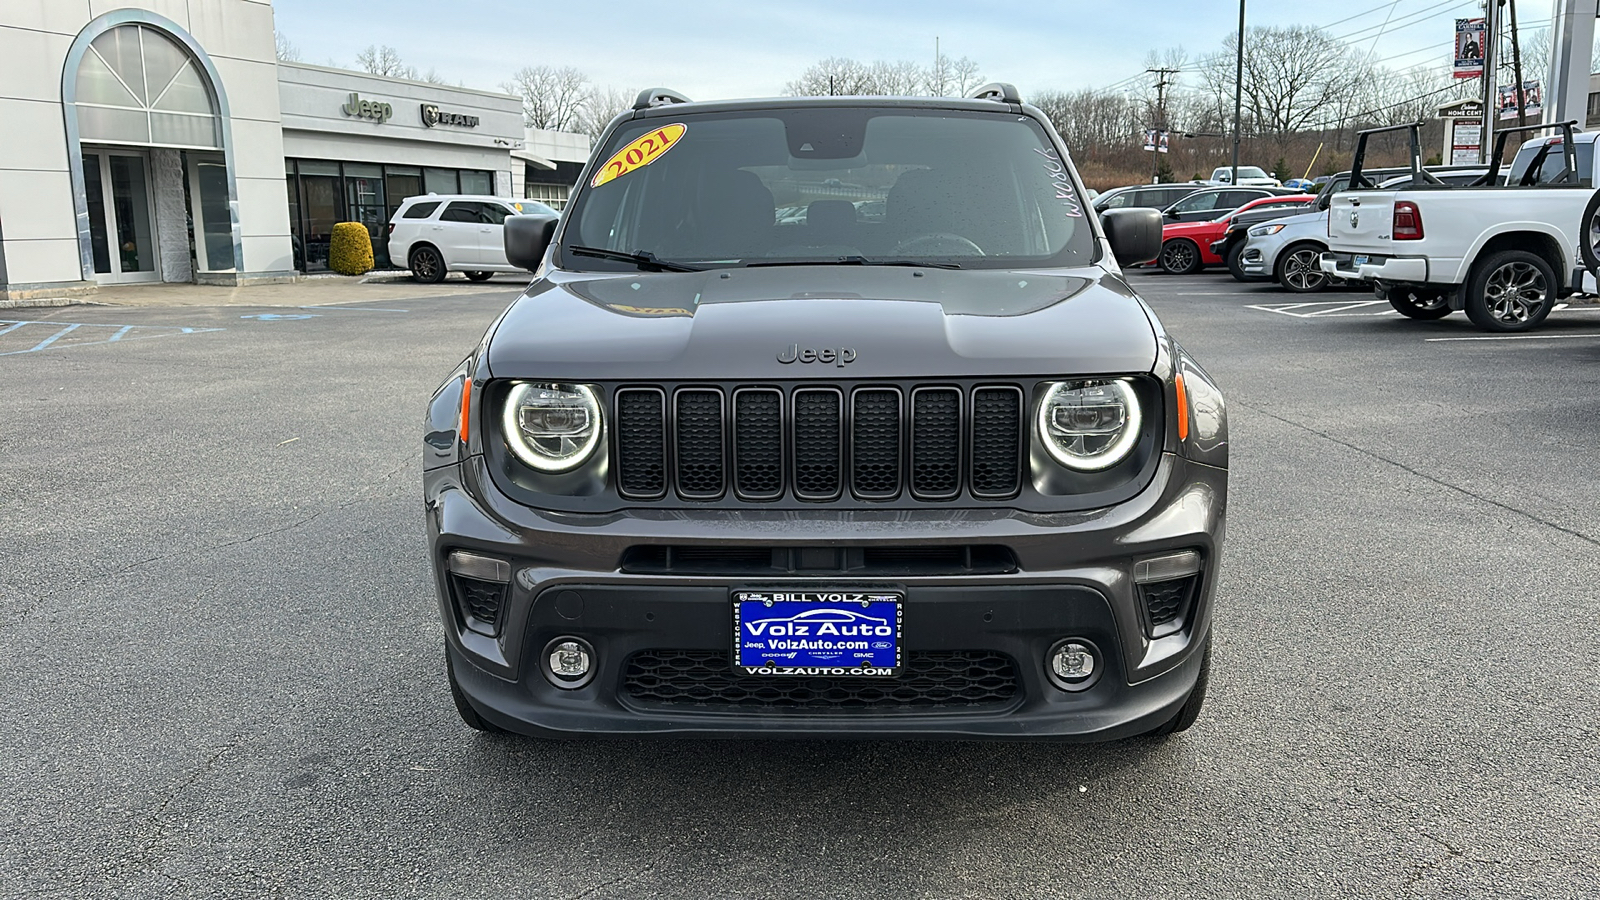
pixel 1238 93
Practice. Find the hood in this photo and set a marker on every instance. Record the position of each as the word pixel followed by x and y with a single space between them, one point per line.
pixel 1304 222
pixel 823 322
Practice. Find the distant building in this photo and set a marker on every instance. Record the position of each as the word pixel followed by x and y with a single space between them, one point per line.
pixel 550 163
pixel 1592 120
pixel 163 142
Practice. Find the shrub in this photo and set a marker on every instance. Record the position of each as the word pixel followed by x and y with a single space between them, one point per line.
pixel 350 249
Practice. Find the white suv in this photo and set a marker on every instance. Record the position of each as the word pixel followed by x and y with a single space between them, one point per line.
pixel 441 233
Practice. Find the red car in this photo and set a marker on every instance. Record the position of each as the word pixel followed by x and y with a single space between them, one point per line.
pixel 1186 246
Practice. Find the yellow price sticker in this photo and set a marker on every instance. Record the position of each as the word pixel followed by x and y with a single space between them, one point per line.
pixel 640 153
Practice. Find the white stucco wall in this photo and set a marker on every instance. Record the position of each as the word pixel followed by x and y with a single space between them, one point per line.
pixel 36 194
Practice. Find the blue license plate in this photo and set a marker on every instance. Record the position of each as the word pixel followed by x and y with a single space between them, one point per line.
pixel 828 633
pixel 1359 261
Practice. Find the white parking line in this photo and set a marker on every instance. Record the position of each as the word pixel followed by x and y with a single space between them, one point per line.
pixel 1326 309
pixel 1513 337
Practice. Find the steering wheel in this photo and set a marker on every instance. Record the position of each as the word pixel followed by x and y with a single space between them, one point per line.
pixel 941 243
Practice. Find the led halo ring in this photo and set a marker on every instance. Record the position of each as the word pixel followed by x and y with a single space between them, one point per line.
pixel 576 448
pixel 1119 448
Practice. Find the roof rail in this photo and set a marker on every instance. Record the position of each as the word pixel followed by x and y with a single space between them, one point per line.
pixel 998 91
pixel 658 97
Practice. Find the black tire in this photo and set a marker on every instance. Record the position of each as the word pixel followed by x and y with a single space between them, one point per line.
pixel 1180 256
pixel 1235 260
pixel 1418 304
pixel 464 706
pixel 1589 243
pixel 479 276
pixel 1190 710
pixel 1299 269
pixel 1512 290
pixel 427 265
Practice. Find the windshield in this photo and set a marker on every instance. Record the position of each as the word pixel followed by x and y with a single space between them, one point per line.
pixel 822 185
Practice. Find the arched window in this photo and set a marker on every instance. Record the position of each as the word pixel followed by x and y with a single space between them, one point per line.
pixel 138 86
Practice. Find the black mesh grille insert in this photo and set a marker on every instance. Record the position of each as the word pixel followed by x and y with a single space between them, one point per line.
pixel 996 441
pixel 699 443
pixel 936 442
pixel 641 443
pixel 1167 604
pixel 758 444
pixel 942 681
pixel 875 443
pixel 480 603
pixel 818 430
pixel 658 559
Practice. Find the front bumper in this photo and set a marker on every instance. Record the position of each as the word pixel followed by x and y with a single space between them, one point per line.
pixel 1073 578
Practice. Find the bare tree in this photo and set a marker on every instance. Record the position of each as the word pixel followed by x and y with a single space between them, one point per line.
pixel 287 51
pixel 834 75
pixel 601 106
pixel 964 72
pixel 385 61
pixel 552 98
pixel 898 79
pixel 1292 74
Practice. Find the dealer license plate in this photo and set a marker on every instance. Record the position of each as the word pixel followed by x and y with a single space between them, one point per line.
pixel 827 633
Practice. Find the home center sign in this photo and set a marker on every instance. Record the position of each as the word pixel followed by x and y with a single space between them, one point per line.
pixel 1463 132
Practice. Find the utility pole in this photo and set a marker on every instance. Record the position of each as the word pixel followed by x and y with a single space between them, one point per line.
pixel 1516 67
pixel 1238 93
pixel 1491 67
pixel 1161 120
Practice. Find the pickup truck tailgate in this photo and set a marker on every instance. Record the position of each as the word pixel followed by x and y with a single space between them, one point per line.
pixel 1361 221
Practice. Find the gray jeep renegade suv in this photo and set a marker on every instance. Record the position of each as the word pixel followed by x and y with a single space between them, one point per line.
pixel 828 416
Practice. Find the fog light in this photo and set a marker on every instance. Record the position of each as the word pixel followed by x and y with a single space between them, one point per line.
pixel 1074 664
pixel 569 662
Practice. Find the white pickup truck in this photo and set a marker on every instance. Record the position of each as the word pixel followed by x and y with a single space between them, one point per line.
pixel 1503 252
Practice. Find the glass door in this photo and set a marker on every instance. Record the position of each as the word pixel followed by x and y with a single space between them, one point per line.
pixel 213 224
pixel 120 217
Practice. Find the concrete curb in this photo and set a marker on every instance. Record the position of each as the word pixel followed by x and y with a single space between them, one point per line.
pixel 39 302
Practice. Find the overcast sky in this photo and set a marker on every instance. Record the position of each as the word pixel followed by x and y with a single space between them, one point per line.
pixel 711 49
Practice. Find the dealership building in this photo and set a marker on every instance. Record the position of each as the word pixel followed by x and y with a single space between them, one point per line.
pixel 153 141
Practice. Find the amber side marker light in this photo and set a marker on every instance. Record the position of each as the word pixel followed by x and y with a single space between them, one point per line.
pixel 466 409
pixel 1183 409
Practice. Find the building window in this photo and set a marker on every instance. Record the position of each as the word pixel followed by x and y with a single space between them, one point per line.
pixel 137 86
pixel 552 195
pixel 440 181
pixel 481 183
pixel 1594 104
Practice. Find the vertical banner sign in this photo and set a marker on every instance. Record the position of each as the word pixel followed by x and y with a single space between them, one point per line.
pixel 1532 100
pixel 1164 142
pixel 1149 139
pixel 1469 48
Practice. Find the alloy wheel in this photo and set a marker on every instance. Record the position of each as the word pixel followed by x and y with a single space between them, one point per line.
pixel 1177 256
pixel 1515 292
pixel 1303 270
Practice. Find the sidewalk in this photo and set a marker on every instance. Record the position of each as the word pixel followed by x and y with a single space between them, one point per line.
pixel 316 290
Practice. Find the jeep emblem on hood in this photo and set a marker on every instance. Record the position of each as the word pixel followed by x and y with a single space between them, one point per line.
pixel 841 357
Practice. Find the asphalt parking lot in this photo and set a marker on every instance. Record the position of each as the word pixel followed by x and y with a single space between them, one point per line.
pixel 221 667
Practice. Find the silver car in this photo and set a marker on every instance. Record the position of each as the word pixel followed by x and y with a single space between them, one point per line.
pixel 1288 251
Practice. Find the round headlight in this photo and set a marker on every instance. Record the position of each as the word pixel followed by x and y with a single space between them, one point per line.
pixel 552 427
pixel 1089 425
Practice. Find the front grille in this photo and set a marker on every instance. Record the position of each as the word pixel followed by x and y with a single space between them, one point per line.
pixel 816 444
pixel 699 434
pixel 934 681
pixel 662 559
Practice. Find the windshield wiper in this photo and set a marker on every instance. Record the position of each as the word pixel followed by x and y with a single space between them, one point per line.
pixel 856 260
pixel 643 259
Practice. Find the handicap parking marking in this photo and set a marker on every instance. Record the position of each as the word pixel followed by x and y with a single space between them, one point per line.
pixel 34 336
pixel 1327 309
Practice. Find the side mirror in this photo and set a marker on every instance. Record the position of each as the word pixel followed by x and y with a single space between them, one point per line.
pixel 527 238
pixel 1324 200
pixel 1171 214
pixel 1134 234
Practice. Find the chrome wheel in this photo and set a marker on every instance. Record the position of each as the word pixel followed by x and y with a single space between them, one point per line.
pixel 1179 257
pixel 1301 271
pixel 1515 292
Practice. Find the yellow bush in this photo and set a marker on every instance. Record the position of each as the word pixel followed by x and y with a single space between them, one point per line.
pixel 350 249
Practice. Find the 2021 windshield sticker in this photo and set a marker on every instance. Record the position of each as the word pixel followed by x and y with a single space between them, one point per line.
pixel 639 153
pixel 1061 183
